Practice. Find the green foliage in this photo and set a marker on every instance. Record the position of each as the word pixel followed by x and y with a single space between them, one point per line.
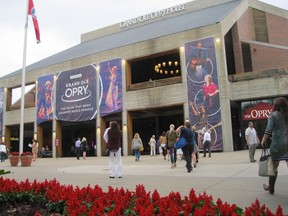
pixel 3 172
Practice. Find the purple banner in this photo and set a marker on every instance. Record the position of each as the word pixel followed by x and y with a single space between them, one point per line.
pixel 45 99
pixel 1 109
pixel 203 93
pixel 76 98
pixel 111 83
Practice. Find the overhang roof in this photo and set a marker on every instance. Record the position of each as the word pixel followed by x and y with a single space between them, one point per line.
pixel 192 20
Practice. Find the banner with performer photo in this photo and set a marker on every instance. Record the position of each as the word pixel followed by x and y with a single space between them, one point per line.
pixel 45 99
pixel 203 92
pixel 1 109
pixel 76 97
pixel 111 84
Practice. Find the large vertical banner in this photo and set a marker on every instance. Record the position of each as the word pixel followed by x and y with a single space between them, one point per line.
pixel 76 97
pixel 111 84
pixel 45 99
pixel 203 93
pixel 1 109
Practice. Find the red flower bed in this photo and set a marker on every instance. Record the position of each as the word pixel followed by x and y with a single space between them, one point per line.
pixel 90 201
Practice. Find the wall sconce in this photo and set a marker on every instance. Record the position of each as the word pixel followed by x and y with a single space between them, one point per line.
pixel 3 138
pixel 217 40
pixel 54 134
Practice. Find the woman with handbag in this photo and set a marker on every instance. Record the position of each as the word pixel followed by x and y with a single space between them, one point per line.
pixel 187 133
pixel 136 145
pixel 277 129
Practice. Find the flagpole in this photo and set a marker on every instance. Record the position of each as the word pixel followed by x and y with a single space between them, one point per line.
pixel 21 138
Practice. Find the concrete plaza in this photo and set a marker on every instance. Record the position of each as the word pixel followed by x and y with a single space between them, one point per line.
pixel 229 176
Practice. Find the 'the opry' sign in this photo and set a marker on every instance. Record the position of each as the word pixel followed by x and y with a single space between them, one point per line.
pixel 257 112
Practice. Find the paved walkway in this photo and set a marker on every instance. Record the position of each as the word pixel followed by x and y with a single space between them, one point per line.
pixel 228 176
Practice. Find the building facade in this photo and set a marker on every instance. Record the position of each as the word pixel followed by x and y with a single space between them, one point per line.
pixel 218 64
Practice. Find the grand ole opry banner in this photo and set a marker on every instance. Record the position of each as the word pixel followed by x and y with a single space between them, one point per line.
pixel 203 93
pixel 76 96
pixel 45 99
pixel 111 87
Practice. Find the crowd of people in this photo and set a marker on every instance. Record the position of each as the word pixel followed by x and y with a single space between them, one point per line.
pixel 164 146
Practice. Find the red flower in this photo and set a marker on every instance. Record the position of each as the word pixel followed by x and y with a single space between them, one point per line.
pixel 26 153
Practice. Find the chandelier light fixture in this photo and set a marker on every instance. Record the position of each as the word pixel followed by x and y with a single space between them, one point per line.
pixel 168 67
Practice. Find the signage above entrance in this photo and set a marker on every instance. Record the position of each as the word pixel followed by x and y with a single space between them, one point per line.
pixel 161 13
pixel 258 111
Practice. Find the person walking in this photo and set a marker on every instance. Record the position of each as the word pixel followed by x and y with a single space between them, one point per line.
pixel 3 152
pixel 114 147
pixel 84 147
pixel 186 132
pixel 277 128
pixel 207 142
pixel 136 145
pixel 35 146
pixel 163 144
pixel 78 147
pixel 171 137
pixel 195 154
pixel 252 140
pixel 152 144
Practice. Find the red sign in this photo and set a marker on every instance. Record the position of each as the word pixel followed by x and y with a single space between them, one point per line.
pixel 259 111
pixel 57 142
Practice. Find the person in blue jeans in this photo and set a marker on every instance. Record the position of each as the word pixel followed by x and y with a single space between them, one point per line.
pixel 3 152
pixel 171 137
pixel 187 133
pixel 136 144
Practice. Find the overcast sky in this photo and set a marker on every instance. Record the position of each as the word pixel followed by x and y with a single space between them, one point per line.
pixel 63 21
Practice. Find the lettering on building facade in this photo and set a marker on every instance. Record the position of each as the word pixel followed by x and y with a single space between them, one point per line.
pixel 158 14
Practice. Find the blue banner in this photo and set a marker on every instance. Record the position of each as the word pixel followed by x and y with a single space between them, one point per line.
pixel 111 84
pixel 1 109
pixel 76 98
pixel 203 92
pixel 45 99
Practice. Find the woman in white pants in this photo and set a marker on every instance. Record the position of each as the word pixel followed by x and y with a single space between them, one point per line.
pixel 152 144
pixel 114 146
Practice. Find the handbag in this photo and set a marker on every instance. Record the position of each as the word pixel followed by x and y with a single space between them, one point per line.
pixel 266 164
pixel 141 148
pixel 180 143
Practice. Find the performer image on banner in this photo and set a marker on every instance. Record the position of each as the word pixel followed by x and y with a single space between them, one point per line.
pixel 111 87
pixel 112 94
pixel 210 91
pixel 44 99
pixel 201 121
pixel 200 64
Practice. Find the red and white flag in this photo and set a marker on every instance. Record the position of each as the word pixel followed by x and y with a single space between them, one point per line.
pixel 32 12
